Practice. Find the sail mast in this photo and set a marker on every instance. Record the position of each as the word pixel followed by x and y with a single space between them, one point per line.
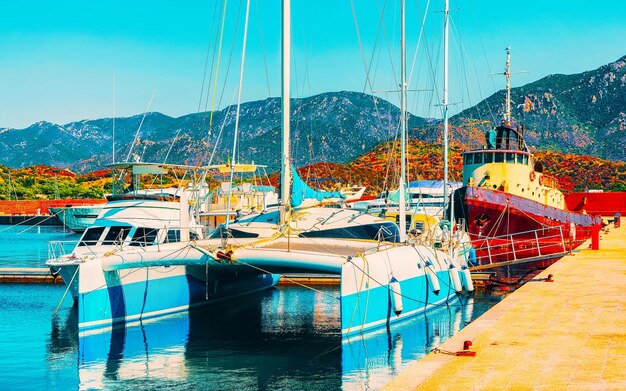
pixel 402 216
pixel 234 159
pixel 285 174
pixel 507 74
pixel 446 15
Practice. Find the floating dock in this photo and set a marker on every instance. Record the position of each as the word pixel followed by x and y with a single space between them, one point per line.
pixel 566 334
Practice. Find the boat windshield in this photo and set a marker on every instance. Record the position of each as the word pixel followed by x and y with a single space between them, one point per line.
pixel 91 236
pixel 116 234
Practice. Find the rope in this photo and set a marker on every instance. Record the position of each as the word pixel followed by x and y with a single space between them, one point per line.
pixel 290 280
pixel 67 289
pixel 401 294
pixel 22 222
pixel 35 225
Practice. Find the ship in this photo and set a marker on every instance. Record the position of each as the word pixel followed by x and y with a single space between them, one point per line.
pixel 511 208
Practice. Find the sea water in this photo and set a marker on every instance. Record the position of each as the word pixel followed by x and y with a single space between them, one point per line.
pixel 287 338
pixel 24 246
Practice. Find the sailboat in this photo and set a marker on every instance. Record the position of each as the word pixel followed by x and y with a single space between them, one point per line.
pixel 381 282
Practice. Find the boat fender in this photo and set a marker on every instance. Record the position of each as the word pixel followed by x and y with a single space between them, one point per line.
pixel 532 176
pixel 467 278
pixel 540 180
pixel 396 295
pixel 432 277
pixel 454 278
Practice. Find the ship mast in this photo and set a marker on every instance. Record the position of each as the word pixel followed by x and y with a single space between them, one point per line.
pixel 507 74
pixel 285 174
pixel 446 15
pixel 402 201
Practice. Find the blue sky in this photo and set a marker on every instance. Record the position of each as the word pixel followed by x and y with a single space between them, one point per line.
pixel 58 59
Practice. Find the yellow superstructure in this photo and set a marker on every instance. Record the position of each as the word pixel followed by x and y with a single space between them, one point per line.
pixel 511 171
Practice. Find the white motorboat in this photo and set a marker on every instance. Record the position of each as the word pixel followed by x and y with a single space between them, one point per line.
pixel 77 217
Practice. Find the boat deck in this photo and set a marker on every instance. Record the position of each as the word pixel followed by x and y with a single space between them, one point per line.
pixel 565 334
pixel 330 247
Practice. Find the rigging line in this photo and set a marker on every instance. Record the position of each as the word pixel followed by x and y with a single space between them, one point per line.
pixel 362 52
pixel 219 135
pixel 369 68
pixel 206 101
pixel 267 75
pixel 206 61
pixel 243 62
pixel 217 69
pixel 289 279
pixel 230 57
pixel 130 151
pixel 419 40
pixel 422 28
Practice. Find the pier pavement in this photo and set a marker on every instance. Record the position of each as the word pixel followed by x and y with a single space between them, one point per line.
pixel 569 334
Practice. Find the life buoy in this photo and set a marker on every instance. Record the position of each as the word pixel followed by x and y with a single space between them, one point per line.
pixel 532 176
pixel 540 180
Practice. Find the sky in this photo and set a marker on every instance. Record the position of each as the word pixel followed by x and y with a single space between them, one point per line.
pixel 64 61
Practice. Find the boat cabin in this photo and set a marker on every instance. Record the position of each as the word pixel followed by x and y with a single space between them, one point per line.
pixel 505 164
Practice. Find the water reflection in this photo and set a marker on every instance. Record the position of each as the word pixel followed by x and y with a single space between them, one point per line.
pixel 371 361
pixel 289 338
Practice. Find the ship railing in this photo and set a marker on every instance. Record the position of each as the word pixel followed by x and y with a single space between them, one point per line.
pixel 520 247
pixel 59 248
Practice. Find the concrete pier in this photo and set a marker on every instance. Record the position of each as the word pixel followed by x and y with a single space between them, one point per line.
pixel 567 334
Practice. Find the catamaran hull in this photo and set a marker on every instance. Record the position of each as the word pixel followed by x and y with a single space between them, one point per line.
pixel 389 286
pixel 110 295
pixel 496 219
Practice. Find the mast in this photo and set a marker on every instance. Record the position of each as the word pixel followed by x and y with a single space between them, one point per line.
pixel 285 168
pixel 234 161
pixel 507 74
pixel 446 16
pixel 113 136
pixel 402 216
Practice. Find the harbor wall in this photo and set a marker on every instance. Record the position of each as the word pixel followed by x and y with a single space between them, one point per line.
pixel 603 204
pixel 34 207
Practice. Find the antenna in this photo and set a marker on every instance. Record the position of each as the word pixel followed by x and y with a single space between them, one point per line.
pixel 507 74
pixel 113 156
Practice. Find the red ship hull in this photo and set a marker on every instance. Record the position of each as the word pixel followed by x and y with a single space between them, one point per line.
pixel 504 227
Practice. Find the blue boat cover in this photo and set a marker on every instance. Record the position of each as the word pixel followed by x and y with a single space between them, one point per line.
pixel 301 191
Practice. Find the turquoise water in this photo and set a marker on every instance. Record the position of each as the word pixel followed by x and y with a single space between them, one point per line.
pixel 289 338
pixel 285 339
pixel 26 246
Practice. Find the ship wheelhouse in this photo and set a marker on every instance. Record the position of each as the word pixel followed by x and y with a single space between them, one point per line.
pixel 504 163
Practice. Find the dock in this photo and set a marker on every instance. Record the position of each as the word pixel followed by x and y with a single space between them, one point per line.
pixel 568 333
pixel 28 275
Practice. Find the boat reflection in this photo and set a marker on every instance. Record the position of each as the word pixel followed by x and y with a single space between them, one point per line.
pixel 289 338
pixel 370 361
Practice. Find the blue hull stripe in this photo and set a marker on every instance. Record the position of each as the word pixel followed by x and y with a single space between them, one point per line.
pixel 371 308
pixel 108 306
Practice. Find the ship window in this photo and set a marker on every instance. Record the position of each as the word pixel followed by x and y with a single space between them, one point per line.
pixel 91 236
pixel 499 157
pixel 478 158
pixel 469 158
pixel 115 235
pixel 488 157
pixel 526 159
pixel 510 157
pixel 520 159
pixel 144 236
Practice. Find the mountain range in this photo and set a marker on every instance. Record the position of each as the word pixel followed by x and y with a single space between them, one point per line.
pixel 583 114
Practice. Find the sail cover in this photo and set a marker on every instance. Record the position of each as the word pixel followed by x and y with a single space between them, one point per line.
pixel 300 192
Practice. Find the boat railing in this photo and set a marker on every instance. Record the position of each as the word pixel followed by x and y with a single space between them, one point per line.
pixel 520 247
pixel 59 248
